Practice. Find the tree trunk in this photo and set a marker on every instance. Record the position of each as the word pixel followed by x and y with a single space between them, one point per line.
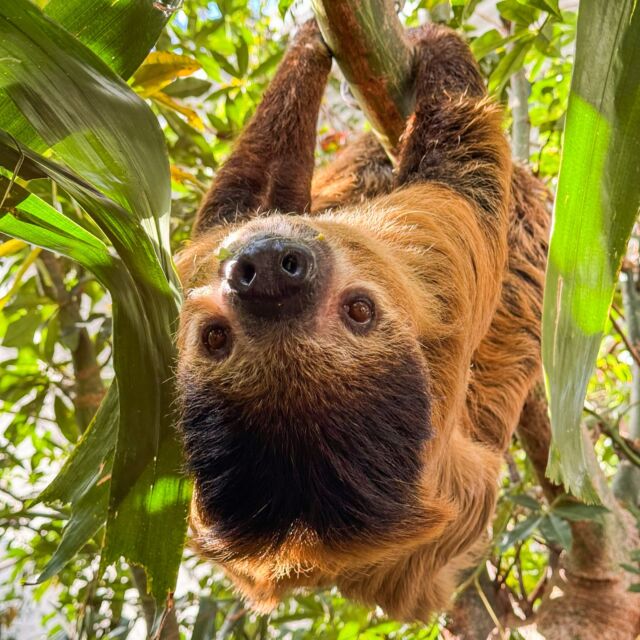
pixel 588 597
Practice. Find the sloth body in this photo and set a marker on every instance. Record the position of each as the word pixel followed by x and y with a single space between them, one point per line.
pixel 345 420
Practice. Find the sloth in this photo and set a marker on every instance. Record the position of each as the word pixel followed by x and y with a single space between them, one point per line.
pixel 355 347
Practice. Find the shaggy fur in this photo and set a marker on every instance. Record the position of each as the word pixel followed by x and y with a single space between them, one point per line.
pixel 324 456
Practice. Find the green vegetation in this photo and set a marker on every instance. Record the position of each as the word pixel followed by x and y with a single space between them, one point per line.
pixel 113 119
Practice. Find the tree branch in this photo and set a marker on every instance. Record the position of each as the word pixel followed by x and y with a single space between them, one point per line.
pixel 368 41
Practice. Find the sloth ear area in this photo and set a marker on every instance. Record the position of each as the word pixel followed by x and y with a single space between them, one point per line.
pixel 197 261
pixel 186 262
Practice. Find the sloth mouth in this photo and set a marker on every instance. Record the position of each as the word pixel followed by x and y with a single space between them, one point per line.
pixel 344 468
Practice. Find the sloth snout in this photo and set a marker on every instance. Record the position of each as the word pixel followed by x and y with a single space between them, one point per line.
pixel 273 277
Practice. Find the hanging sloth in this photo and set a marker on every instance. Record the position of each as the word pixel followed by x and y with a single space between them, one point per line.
pixel 355 354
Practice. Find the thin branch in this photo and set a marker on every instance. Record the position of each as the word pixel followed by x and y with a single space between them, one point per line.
pixel 236 613
pixel 489 608
pixel 630 348
pixel 622 445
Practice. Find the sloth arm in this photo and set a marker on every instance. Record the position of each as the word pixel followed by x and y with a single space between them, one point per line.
pixel 272 161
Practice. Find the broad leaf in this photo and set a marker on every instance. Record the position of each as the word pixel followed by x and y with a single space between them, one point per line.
pixel 84 483
pixel 121 32
pixel 596 206
pixel 117 170
pixel 571 510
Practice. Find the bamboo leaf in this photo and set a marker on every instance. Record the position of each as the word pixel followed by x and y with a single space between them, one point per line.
pixel 596 206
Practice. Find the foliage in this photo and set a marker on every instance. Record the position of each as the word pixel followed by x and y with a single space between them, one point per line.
pixel 596 207
pixel 60 336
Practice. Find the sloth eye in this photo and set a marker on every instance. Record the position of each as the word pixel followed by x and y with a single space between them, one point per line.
pixel 216 339
pixel 359 313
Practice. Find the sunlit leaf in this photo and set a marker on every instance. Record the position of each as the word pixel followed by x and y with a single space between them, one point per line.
pixel 160 69
pixel 121 32
pixel 190 114
pixel 517 12
pixel 596 207
pixel 117 170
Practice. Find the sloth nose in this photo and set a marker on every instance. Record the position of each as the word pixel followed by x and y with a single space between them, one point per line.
pixel 272 276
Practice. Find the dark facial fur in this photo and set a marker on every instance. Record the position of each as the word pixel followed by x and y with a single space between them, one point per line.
pixel 336 456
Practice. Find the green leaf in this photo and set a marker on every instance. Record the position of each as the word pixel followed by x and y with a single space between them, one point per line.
pixel 121 32
pixel 31 219
pixel 596 206
pixel 556 530
pixel 187 88
pixel 44 66
pixel 550 6
pixel 487 42
pixel 84 482
pixel 517 12
pixel 520 532
pixel 21 330
pixel 283 6
pixel 350 631
pixel 204 625
pixel 242 56
pixel 571 510
pixel 511 63
pixel 117 170
pixel 65 419
pixel 630 568
pixel 525 501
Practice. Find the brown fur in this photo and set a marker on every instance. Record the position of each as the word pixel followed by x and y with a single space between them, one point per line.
pixel 452 250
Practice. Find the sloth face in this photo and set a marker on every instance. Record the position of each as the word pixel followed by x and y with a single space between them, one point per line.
pixel 304 394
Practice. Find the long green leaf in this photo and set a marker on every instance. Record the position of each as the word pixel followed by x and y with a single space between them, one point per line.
pixel 147 486
pixel 44 66
pixel 596 206
pixel 117 169
pixel 121 32
pixel 84 483
pixel 31 219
